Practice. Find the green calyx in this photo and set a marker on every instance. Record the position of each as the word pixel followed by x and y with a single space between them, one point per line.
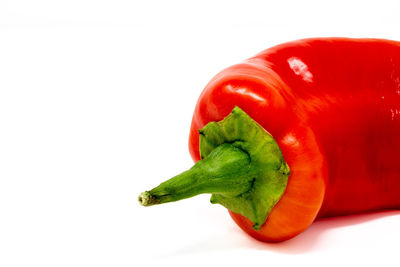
pixel 242 167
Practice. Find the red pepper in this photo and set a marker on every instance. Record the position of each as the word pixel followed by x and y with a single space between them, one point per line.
pixel 332 105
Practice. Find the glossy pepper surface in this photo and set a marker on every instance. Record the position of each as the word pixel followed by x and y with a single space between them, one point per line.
pixel 333 107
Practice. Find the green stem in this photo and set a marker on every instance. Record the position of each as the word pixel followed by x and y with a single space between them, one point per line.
pixel 225 171
pixel 242 167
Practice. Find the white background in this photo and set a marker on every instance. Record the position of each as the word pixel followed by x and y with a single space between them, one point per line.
pixel 96 99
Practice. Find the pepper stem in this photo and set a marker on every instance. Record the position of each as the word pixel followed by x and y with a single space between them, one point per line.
pixel 225 171
pixel 146 199
pixel 242 167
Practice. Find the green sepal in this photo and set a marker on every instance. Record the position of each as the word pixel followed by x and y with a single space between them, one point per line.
pixel 268 170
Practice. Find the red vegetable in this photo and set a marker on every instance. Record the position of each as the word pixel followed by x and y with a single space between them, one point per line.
pixel 332 106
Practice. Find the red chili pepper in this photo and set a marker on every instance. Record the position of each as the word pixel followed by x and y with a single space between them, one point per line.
pixel 332 106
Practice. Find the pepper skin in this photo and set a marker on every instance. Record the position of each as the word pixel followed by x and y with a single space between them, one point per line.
pixel 333 107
